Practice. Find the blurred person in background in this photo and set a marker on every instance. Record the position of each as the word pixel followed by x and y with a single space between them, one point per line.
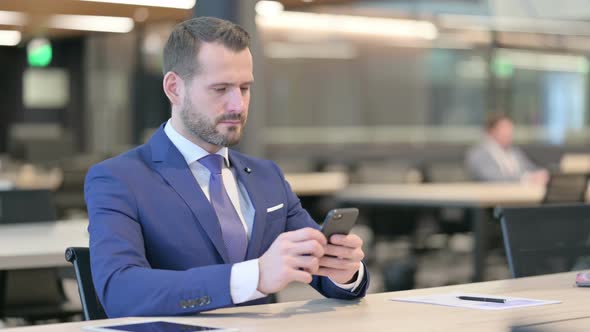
pixel 496 159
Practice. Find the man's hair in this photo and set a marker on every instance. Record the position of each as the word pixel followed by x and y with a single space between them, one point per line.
pixel 493 119
pixel 182 47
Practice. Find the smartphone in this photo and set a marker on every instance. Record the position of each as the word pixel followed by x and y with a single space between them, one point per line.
pixel 339 221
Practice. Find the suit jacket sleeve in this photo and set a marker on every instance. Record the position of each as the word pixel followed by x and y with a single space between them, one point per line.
pixel 124 280
pixel 297 218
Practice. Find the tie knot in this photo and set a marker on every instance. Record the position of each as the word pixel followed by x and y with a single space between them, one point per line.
pixel 213 162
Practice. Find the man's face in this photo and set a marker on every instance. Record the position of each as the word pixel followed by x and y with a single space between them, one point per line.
pixel 214 108
pixel 502 133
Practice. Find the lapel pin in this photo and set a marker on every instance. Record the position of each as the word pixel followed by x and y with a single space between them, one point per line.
pixel 248 170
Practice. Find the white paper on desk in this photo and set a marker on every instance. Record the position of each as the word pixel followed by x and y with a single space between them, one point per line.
pixel 452 300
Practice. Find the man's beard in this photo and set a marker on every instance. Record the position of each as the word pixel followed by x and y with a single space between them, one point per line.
pixel 200 126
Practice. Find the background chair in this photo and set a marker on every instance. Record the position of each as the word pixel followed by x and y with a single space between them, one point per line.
pixel 566 188
pixel 80 258
pixel 32 294
pixel 546 239
pixel 17 206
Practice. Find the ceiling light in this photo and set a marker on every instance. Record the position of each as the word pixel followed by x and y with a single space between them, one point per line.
pixel 543 61
pixel 355 25
pixel 91 23
pixel 12 18
pixel 269 8
pixel 180 4
pixel 9 37
pixel 332 50
pixel 515 24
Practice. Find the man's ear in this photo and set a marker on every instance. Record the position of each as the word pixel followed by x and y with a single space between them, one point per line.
pixel 173 87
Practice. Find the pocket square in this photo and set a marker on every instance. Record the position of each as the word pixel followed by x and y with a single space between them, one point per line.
pixel 274 208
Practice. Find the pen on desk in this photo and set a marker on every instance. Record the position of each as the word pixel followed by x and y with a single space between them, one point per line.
pixel 481 299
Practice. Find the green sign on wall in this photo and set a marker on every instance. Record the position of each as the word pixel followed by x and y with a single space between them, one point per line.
pixel 39 52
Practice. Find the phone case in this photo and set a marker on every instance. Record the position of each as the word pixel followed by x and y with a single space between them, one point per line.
pixel 583 279
pixel 339 221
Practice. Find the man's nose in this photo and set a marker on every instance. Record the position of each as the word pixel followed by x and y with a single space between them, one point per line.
pixel 236 101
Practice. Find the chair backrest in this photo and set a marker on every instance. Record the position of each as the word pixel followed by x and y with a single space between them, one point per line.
pixel 80 258
pixel 28 288
pixel 546 239
pixel 18 206
pixel 32 294
pixel 566 188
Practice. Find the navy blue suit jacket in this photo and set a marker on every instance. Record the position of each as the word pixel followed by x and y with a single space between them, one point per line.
pixel 155 242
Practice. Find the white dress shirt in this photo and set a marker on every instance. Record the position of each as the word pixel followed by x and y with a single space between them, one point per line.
pixel 244 275
pixel 504 157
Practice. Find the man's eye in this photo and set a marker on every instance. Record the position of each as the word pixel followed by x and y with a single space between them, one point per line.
pixel 220 90
pixel 245 88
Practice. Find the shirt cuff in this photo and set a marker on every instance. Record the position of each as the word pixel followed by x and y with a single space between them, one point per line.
pixel 355 284
pixel 243 282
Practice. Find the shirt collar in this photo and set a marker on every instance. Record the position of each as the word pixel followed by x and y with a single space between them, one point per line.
pixel 189 150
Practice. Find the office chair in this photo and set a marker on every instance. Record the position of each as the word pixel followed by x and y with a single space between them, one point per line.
pixel 32 294
pixel 80 258
pixel 546 239
pixel 566 188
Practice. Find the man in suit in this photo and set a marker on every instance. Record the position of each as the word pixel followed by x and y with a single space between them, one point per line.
pixel 497 159
pixel 182 224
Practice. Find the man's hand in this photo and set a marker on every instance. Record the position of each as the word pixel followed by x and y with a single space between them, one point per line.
pixel 539 177
pixel 342 258
pixel 293 256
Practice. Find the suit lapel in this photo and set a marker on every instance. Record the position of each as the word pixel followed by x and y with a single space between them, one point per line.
pixel 169 163
pixel 248 178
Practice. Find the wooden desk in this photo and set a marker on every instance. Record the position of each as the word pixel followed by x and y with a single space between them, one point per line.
pixel 376 313
pixel 40 244
pixel 30 177
pixel 445 194
pixel 575 163
pixel 476 198
pixel 317 183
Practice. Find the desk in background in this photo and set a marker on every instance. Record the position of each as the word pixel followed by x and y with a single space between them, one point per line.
pixel 376 313
pixel 317 183
pixel 575 163
pixel 29 177
pixel 40 244
pixel 314 188
pixel 477 198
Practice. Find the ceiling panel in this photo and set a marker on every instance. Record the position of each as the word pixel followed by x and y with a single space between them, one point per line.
pixel 299 4
pixel 89 8
pixel 40 10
